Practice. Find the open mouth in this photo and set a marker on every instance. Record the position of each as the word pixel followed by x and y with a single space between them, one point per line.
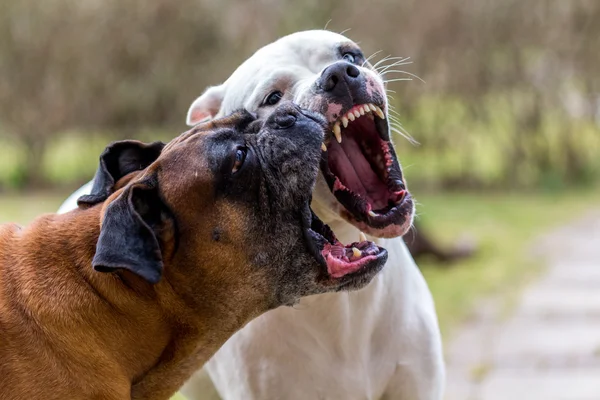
pixel 350 265
pixel 361 169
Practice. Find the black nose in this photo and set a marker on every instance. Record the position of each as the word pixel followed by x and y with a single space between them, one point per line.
pixel 285 116
pixel 337 74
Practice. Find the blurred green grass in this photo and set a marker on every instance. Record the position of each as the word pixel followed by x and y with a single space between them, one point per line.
pixel 22 208
pixel 504 225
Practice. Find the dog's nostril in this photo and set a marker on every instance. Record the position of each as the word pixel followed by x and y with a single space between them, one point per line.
pixel 352 71
pixel 285 120
pixel 330 83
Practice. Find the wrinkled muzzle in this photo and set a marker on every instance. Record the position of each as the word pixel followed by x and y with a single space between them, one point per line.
pixel 290 147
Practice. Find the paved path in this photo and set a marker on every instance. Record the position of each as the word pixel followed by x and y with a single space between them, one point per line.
pixel 549 347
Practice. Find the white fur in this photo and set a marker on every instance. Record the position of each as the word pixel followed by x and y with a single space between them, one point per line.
pixel 382 342
pixel 71 201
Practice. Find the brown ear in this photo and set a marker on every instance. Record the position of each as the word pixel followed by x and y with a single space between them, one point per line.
pixel 128 236
pixel 118 160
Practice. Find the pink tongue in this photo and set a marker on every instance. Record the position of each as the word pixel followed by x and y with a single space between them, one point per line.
pixel 348 163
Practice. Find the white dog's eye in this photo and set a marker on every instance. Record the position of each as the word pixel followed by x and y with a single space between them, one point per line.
pixel 273 98
pixel 349 57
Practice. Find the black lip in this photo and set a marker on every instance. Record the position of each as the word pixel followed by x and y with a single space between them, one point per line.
pixel 363 276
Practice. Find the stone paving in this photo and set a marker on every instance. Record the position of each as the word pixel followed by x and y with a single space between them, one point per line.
pixel 548 348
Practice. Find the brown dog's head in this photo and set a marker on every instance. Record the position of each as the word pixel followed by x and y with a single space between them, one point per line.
pixel 223 211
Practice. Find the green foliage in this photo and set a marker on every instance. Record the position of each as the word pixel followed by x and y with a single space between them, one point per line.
pixel 490 147
pixel 512 93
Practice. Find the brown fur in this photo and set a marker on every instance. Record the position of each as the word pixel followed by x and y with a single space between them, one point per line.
pixel 69 332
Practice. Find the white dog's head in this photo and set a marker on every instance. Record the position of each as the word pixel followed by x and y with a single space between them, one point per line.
pixel 322 71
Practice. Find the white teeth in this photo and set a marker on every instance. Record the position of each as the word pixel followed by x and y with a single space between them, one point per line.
pixel 358 112
pixel 372 213
pixel 362 237
pixel 323 147
pixel 345 122
pixel 356 252
pixel 337 132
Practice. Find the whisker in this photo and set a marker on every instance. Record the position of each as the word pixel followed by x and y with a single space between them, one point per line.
pixel 405 135
pixel 397 79
pixel 389 58
pixel 389 66
pixel 371 56
pixel 384 59
pixel 344 31
pixel 327 24
pixel 402 72
pixel 383 69
pixel 401 61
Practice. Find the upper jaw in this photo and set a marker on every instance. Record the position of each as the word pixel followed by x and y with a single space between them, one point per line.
pixel 388 222
pixel 370 110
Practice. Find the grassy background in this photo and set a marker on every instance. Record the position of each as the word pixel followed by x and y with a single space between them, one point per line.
pixel 503 225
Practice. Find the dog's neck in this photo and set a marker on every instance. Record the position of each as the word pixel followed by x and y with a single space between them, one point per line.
pixel 151 334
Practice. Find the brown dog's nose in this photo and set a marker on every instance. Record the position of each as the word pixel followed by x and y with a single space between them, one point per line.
pixel 339 72
pixel 285 116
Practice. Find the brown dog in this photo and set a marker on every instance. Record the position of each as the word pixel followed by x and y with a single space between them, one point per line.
pixel 198 237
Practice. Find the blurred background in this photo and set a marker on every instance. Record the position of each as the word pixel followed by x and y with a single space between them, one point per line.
pixel 507 121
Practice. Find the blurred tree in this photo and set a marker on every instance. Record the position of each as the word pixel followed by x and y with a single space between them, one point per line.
pixel 110 65
pixel 512 95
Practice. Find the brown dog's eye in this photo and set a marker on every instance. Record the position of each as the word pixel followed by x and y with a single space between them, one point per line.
pixel 240 157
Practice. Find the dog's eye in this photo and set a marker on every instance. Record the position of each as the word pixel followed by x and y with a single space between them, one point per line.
pixel 240 157
pixel 351 58
pixel 273 98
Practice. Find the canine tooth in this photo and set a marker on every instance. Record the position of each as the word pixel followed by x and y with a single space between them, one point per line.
pixel 337 132
pixel 379 113
pixel 356 252
pixel 372 213
pixel 361 110
pixel 345 122
pixel 323 147
pixel 362 237
pixel 372 107
pixel 357 113
pixel 351 116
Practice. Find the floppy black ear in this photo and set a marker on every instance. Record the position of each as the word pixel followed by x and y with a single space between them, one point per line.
pixel 128 235
pixel 118 160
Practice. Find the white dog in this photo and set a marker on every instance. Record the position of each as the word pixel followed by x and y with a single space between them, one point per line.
pixel 382 342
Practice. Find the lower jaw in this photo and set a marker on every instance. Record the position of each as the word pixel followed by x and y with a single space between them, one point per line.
pixel 391 231
pixel 332 212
